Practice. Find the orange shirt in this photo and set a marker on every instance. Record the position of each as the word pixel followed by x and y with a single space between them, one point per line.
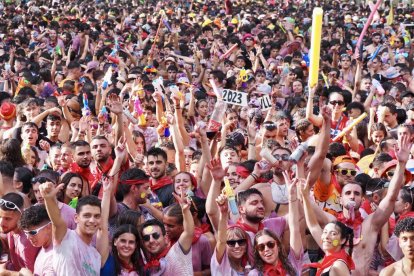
pixel 327 196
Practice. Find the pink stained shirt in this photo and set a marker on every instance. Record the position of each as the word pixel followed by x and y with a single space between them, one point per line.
pixel 43 265
pixel 74 257
pixel 175 263
pixel 202 253
pixel 68 215
pixel 224 268
pixel 22 252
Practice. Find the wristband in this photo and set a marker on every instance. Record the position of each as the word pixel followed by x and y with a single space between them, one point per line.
pixel 254 176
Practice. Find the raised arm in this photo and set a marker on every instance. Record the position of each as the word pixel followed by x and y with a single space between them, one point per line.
pixel 321 150
pixel 205 181
pixel 102 237
pixel 218 174
pixel 293 218
pixel 223 207
pixel 386 206
pixel 186 238
pixel 314 119
pixel 49 191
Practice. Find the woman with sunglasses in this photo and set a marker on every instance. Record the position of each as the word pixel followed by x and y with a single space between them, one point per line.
pixel 339 120
pixel 231 256
pixel 270 257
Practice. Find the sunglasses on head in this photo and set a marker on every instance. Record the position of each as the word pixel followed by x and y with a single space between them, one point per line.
pixel 261 247
pixel 283 157
pixel 347 172
pixel 336 102
pixel 10 205
pixel 155 236
pixel 232 243
pixel 35 231
pixel 40 179
pixel 269 126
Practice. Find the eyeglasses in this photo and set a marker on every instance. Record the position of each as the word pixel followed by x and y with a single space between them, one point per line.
pixel 397 41
pixel 155 236
pixel 283 157
pixel 390 173
pixel 347 172
pixel 35 231
pixel 152 73
pixel 40 179
pixel 261 247
pixel 9 205
pixel 232 243
pixel 336 103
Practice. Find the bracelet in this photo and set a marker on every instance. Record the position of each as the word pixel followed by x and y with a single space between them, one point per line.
pixel 252 144
pixel 254 176
pixel 178 107
pixel 293 200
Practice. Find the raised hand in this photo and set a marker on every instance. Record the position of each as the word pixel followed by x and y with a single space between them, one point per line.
pixel 261 167
pixel 404 146
pixel 120 148
pixel 222 204
pixel 200 128
pixel 216 169
pixel 107 183
pixel 327 114
pixel 49 191
pixel 44 145
pixel 115 104
pixel 183 200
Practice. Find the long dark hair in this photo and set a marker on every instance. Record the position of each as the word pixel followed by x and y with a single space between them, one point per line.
pixel 347 234
pixel 136 259
pixel 65 180
pixel 283 256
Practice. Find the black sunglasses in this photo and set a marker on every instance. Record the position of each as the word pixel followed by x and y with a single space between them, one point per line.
pixel 337 102
pixel 155 236
pixel 40 179
pixel 232 243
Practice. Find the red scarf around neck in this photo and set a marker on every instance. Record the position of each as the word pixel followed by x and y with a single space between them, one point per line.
pixel 248 228
pixel 274 270
pixel 158 184
pixel 352 223
pixel 329 260
pixel 126 266
pixel 406 215
pixel 154 261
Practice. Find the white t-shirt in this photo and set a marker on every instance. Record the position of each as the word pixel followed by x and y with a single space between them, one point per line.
pixel 43 264
pixel 74 257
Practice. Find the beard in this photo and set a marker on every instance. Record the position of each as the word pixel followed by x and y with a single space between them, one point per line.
pixel 253 217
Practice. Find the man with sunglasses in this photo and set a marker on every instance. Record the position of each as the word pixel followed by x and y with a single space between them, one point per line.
pixel 36 224
pixel 169 259
pixel 21 252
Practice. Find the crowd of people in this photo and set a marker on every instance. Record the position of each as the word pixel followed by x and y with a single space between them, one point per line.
pixel 178 137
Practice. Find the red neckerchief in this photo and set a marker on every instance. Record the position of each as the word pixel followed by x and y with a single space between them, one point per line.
pixel 102 169
pixel 329 260
pixel 162 182
pixel 406 215
pixel 154 261
pixel 354 224
pixel 198 231
pixel 274 270
pixel 126 266
pixel 84 172
pixel 248 228
pixel 205 227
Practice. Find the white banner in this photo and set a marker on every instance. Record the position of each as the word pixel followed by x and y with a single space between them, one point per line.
pixel 265 103
pixel 235 97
